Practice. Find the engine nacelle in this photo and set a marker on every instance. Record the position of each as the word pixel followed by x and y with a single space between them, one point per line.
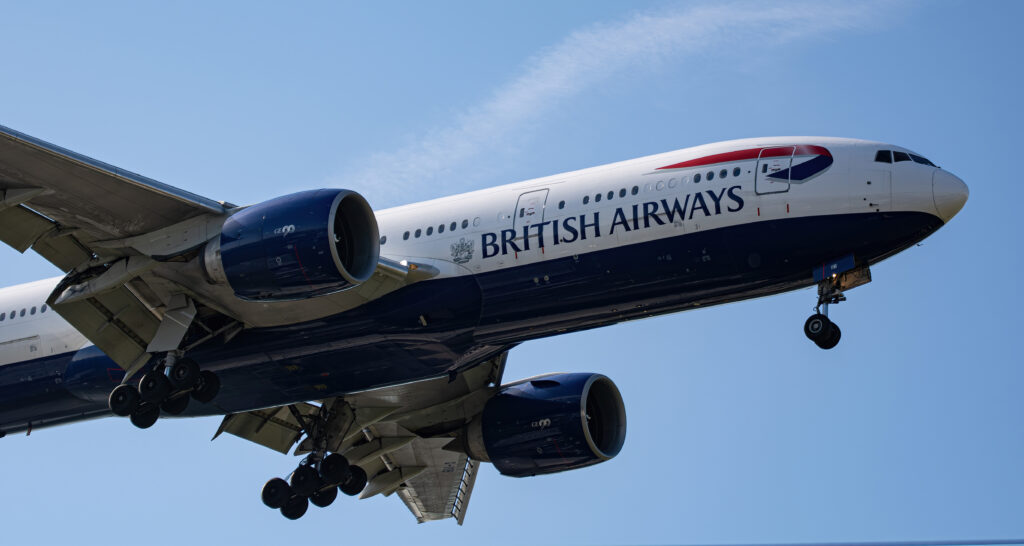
pixel 297 246
pixel 549 424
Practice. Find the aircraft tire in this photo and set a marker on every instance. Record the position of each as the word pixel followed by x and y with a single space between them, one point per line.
pixel 305 481
pixel 154 387
pixel 355 483
pixel 123 400
pixel 816 327
pixel 184 374
pixel 276 493
pixel 176 405
pixel 334 469
pixel 324 497
pixel 145 415
pixel 207 387
pixel 832 338
pixel 295 507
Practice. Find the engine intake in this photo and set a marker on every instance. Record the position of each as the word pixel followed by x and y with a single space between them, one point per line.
pixel 549 424
pixel 297 246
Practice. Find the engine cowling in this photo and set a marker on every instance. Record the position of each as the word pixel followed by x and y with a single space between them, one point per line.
pixel 549 424
pixel 297 246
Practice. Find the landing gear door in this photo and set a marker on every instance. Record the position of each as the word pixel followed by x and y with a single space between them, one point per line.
pixel 772 175
pixel 529 209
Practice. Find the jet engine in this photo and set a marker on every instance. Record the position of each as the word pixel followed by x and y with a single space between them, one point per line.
pixel 297 246
pixel 548 424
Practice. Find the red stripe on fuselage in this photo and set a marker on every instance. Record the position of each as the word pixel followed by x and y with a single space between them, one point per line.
pixel 752 153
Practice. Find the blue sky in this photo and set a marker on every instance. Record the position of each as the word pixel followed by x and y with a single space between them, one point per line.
pixel 740 430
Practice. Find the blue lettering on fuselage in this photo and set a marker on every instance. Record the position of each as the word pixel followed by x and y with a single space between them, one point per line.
pixel 638 216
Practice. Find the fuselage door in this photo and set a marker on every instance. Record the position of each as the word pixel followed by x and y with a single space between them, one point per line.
pixel 529 209
pixel 772 175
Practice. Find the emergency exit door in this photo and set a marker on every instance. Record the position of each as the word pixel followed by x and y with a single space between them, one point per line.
pixel 772 174
pixel 529 209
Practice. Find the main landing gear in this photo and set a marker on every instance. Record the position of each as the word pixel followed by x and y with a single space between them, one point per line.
pixel 818 328
pixel 163 389
pixel 318 477
pixel 313 482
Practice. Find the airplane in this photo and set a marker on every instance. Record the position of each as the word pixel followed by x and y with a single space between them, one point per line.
pixel 373 343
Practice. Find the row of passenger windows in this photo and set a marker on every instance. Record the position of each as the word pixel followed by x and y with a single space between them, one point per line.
pixel 30 311
pixel 890 156
pixel 709 176
pixel 672 182
pixel 430 230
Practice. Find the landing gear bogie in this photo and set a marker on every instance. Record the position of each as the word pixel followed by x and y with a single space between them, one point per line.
pixel 163 389
pixel 295 508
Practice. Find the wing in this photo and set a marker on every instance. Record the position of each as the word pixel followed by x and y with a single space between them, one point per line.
pixel 401 436
pixel 129 246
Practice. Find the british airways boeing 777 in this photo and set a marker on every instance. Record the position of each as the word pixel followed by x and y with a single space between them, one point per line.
pixel 373 343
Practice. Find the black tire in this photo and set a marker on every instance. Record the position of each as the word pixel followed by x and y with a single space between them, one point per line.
pixel 295 507
pixel 184 374
pixel 305 481
pixel 207 387
pixel 833 337
pixel 176 405
pixel 355 483
pixel 324 497
pixel 145 415
pixel 276 493
pixel 816 327
pixel 154 387
pixel 123 400
pixel 334 469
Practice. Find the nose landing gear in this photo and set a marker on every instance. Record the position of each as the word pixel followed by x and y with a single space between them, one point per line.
pixel 818 327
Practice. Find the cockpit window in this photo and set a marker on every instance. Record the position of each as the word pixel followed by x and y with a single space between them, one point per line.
pixel 921 160
pixel 884 156
pixel 900 156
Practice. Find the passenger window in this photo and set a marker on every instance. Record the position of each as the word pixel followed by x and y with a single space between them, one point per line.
pixel 723 173
pixel 476 221
pixel 418 233
pixel 22 313
pixel 522 211
pixel 660 185
pixel 696 178
pixel 622 192
pixel 383 240
pixel 405 236
pixel 14 314
pixel 900 156
pixel 883 156
pixel 736 171
pixel 561 205
pixel 33 311
pixel 465 224
pixel 3 316
pixel 453 226
pixel 440 228
pixel 610 195
pixel 597 198
pixel 42 309
pixel 586 199
pixel 671 182
pixel 921 160
pixel 430 230
pixel 648 187
pixel 764 168
pixel 636 190
pixel 711 175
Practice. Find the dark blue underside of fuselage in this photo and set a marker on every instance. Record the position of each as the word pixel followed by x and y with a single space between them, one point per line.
pixel 471 318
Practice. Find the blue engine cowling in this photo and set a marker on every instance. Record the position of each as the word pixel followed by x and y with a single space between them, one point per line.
pixel 549 424
pixel 297 246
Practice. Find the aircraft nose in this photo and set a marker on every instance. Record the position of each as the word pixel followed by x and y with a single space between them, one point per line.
pixel 950 194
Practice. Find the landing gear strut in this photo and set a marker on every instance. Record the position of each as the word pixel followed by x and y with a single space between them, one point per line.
pixel 319 477
pixel 163 388
pixel 818 328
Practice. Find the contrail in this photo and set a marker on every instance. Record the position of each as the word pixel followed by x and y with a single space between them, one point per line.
pixel 581 61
